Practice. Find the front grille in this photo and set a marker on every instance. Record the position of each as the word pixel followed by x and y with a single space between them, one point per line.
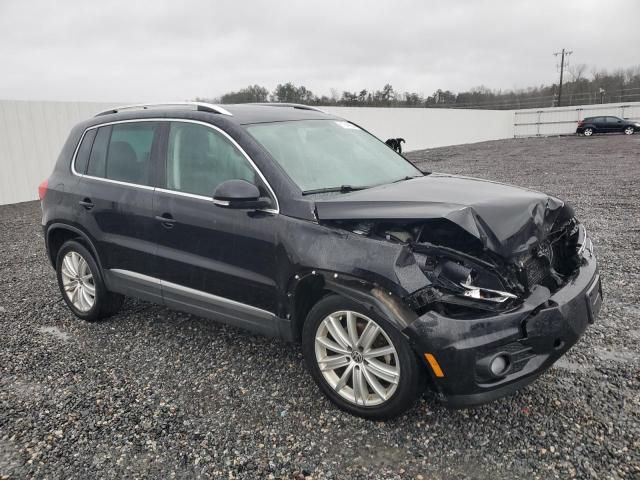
pixel 537 270
pixel 546 258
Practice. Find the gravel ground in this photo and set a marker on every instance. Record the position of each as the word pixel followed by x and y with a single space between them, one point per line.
pixel 156 393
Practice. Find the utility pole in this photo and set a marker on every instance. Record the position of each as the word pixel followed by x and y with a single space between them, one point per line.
pixel 563 54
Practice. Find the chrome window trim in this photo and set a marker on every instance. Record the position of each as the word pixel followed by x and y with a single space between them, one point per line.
pixel 223 203
pixel 274 211
pixel 118 182
pixel 181 288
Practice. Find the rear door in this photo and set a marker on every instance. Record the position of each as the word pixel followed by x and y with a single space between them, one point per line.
pixel 600 123
pixel 115 204
pixel 214 261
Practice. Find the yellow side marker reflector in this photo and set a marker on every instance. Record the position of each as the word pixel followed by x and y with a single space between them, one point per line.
pixel 435 366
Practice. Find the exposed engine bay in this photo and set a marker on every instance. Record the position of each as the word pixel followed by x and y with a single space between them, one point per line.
pixel 466 277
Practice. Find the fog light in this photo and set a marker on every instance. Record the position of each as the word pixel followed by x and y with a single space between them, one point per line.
pixel 499 365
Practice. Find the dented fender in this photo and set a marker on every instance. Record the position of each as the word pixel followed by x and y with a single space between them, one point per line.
pixel 307 246
pixel 370 295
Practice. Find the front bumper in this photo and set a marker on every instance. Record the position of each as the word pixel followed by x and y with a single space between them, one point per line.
pixel 532 336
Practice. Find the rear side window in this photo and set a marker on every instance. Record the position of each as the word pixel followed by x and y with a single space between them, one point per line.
pixel 122 152
pixel 98 157
pixel 82 158
pixel 200 158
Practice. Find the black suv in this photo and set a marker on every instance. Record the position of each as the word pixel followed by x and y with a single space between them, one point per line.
pixel 294 223
pixel 592 125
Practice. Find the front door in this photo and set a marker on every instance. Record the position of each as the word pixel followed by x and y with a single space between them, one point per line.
pixel 214 261
pixel 614 124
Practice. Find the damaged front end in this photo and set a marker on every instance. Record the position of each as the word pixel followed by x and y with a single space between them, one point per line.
pixel 507 288
pixel 467 279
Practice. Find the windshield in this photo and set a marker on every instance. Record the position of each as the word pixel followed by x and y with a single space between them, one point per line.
pixel 330 154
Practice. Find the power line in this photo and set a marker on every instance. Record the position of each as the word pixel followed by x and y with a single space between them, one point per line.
pixel 563 53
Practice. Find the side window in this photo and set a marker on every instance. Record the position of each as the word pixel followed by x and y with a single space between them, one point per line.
pixel 613 119
pixel 200 158
pixel 98 157
pixel 122 152
pixel 82 157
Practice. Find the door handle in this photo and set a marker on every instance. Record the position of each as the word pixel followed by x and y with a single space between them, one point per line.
pixel 166 220
pixel 87 203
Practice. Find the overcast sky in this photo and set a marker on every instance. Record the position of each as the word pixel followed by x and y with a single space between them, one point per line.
pixel 151 50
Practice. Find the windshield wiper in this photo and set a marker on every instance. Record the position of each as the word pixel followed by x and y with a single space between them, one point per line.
pixel 341 189
pixel 407 178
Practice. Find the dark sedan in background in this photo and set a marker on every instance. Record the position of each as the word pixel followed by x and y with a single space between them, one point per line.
pixel 606 124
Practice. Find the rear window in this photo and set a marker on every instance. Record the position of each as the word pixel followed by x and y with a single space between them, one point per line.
pixel 122 152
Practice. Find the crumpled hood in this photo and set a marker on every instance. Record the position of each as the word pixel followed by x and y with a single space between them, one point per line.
pixel 508 220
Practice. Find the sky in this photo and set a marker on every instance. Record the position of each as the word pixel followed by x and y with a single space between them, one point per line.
pixel 155 50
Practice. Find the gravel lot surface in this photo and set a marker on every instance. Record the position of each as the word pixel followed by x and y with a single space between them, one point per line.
pixel 156 393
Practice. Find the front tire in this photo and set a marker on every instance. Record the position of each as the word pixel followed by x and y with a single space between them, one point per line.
pixel 588 132
pixel 81 284
pixel 629 131
pixel 361 362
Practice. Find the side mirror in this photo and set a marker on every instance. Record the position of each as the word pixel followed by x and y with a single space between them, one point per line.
pixel 239 194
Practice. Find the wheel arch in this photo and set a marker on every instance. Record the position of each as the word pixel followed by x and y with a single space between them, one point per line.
pixel 58 233
pixel 307 289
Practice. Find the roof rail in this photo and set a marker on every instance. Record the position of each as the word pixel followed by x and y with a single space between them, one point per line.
pixel 291 105
pixel 200 106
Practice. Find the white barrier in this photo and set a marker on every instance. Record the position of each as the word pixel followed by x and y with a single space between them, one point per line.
pixel 32 132
pixel 430 127
pixel 31 136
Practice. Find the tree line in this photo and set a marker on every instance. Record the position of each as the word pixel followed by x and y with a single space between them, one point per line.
pixel 582 87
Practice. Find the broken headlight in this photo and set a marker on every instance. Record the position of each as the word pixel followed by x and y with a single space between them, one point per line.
pixel 458 282
pixel 486 294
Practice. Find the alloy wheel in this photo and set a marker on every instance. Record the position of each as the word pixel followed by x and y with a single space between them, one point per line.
pixel 357 358
pixel 628 131
pixel 588 132
pixel 78 282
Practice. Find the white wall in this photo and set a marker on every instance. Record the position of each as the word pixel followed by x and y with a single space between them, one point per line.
pixel 32 134
pixel 430 127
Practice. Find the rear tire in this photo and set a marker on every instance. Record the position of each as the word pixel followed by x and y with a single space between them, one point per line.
pixel 81 284
pixel 375 375
pixel 629 131
pixel 588 132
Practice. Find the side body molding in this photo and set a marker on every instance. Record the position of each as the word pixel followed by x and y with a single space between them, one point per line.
pixel 197 302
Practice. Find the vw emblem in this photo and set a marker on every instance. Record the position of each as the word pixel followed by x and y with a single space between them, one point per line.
pixel 357 356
